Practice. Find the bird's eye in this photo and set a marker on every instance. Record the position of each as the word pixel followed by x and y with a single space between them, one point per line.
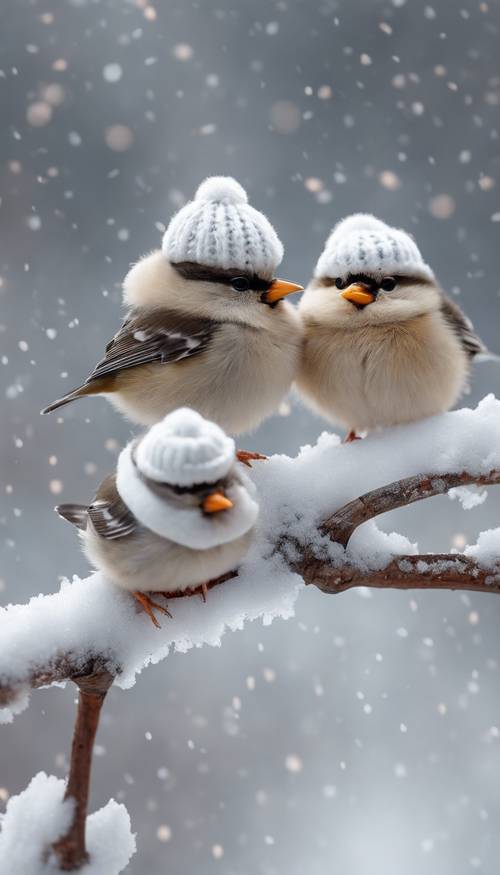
pixel 339 283
pixel 240 283
pixel 388 284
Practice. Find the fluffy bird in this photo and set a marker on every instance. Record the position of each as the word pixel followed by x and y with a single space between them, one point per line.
pixel 383 344
pixel 207 325
pixel 177 513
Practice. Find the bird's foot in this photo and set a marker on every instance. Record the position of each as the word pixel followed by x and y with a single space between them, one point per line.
pixel 246 458
pixel 163 595
pixel 201 590
pixel 349 438
pixel 149 606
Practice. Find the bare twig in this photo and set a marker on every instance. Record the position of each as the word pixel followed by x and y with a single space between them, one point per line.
pixel 70 850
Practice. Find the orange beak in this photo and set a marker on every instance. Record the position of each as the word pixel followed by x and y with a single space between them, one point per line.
pixel 358 293
pixel 280 289
pixel 216 502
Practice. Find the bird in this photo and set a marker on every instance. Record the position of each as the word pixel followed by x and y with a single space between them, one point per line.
pixel 383 345
pixel 207 326
pixel 175 515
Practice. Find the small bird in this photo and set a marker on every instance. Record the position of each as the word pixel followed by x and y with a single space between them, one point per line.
pixel 383 344
pixel 176 514
pixel 206 325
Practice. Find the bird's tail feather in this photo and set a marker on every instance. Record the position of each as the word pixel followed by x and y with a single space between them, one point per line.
pixel 487 356
pixel 87 389
pixel 76 514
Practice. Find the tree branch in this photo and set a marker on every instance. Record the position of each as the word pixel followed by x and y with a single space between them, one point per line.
pixel 433 571
pixel 70 850
pixel 94 675
pixel 400 493
pixel 69 666
pixel 64 667
pixel 428 571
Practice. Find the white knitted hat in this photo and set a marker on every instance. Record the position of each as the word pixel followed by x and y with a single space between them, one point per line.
pixel 363 244
pixel 184 449
pixel 219 228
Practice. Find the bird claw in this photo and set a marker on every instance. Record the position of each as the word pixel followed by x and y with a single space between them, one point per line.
pixel 246 457
pixel 149 606
pixel 349 438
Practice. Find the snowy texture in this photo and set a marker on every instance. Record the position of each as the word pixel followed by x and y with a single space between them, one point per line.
pixel 468 496
pixel 297 494
pixel 16 706
pixel 91 617
pixel 486 551
pixel 39 816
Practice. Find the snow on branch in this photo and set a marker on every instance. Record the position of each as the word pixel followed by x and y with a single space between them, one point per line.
pixel 316 526
pixel 40 815
pixel 431 571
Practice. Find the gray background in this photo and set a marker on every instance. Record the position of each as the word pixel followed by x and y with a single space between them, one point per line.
pixel 412 785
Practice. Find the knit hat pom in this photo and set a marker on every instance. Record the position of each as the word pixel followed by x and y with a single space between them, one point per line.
pixel 360 222
pixel 222 189
pixel 184 449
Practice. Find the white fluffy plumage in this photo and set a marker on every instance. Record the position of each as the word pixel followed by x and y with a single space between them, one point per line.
pixel 152 535
pixel 207 325
pixel 383 345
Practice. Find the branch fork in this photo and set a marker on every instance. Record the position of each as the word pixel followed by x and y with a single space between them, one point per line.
pixel 424 571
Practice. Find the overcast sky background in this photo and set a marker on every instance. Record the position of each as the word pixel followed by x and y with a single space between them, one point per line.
pixel 364 735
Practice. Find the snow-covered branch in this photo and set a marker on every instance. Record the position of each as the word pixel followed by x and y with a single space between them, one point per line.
pixel 427 571
pixel 430 571
pixel 316 527
pixel 332 572
pixel 341 525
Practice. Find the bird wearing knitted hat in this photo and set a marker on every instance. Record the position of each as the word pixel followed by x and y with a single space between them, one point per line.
pixel 177 513
pixel 207 325
pixel 383 344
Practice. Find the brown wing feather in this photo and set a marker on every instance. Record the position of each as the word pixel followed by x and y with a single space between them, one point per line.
pixel 162 336
pixel 108 513
pixel 76 514
pixel 463 328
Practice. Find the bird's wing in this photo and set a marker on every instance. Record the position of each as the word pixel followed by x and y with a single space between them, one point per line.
pixel 463 328
pixel 108 513
pixel 76 514
pixel 111 519
pixel 160 336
